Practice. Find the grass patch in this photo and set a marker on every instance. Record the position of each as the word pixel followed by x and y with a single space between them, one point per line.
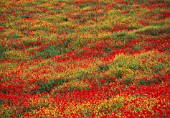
pixel 151 81
pixel 103 67
pixel 153 30
pixel 158 67
pixel 2 50
pixel 6 112
pixel 16 55
pixel 129 68
pixel 124 36
pixel 144 82
pixel 70 86
pixel 87 4
pixel 46 86
pixel 51 51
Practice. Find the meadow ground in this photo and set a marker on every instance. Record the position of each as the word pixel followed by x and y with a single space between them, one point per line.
pixel 84 58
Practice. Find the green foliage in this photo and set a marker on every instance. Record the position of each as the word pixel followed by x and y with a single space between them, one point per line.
pixel 61 81
pixel 67 42
pixel 153 30
pixel 51 51
pixel 82 75
pixel 46 86
pixel 127 62
pixel 87 4
pixel 16 55
pixel 119 73
pixel 86 112
pixel 107 50
pixel 13 36
pixel 137 47
pixel 26 16
pixel 50 84
pixel 29 42
pixel 65 19
pixel 119 46
pixel 152 1
pixel 127 81
pixel 62 30
pixel 157 80
pixel 41 28
pixel 104 67
pixel 124 36
pixel 151 81
pixel 2 50
pixel 142 0
pixel 130 68
pixel 7 112
pixel 72 88
pixel 158 67
pixel 144 82
pixel 2 24
pixel 4 101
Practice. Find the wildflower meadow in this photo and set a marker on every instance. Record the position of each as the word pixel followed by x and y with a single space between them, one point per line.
pixel 84 59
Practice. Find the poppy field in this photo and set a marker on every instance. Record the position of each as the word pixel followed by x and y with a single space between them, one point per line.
pixel 84 59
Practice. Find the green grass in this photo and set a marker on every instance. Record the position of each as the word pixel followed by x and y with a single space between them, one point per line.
pixel 51 51
pixel 2 50
pixel 46 86
pixel 131 68
pixel 153 30
pixel 124 36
